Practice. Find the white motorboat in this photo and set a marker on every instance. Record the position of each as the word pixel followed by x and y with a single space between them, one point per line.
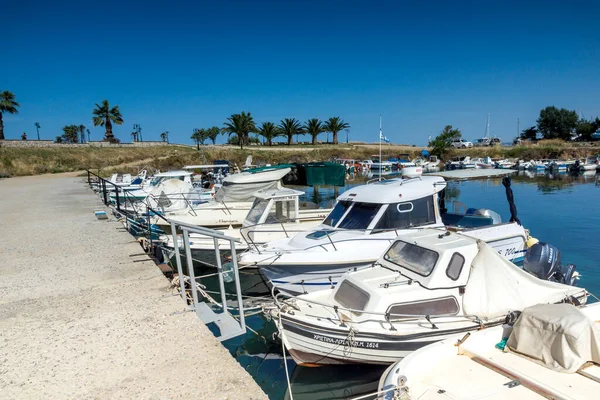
pixel 376 165
pixel 275 214
pixel 362 225
pixel 587 164
pixel 485 163
pixel 428 285
pixel 504 164
pixel 141 193
pixel 541 360
pixel 467 163
pixel 231 202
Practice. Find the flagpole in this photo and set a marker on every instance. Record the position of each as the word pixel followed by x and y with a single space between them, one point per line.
pixel 380 136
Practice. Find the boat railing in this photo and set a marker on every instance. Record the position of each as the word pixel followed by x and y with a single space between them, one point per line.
pixel 285 301
pixel 228 325
pixel 103 186
pixel 326 232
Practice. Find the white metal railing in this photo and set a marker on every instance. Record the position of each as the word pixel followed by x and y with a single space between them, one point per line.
pixel 228 325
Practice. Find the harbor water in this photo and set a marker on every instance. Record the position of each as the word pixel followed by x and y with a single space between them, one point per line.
pixel 563 210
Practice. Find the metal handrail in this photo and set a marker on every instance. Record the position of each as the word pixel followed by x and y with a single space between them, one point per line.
pixel 203 312
pixel 277 297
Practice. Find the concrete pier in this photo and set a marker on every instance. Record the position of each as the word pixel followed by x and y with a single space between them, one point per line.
pixel 85 314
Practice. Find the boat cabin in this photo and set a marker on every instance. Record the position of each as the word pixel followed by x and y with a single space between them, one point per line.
pixel 401 204
pixel 274 206
pixel 440 264
pixel 438 273
pixel 388 205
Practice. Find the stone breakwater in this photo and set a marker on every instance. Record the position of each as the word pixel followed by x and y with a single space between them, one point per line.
pixel 50 143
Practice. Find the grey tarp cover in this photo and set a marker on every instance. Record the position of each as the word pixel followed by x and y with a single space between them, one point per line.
pixel 231 192
pixel 558 335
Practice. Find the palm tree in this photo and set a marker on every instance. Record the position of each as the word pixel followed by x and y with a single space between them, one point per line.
pixel 212 134
pixel 37 127
pixel 81 129
pixel 314 127
pixel 199 136
pixel 70 133
pixel 269 131
pixel 105 116
pixel 290 127
pixel 164 136
pixel 8 105
pixel 240 124
pixel 335 125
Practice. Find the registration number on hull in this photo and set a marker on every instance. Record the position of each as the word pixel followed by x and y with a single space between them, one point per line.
pixel 346 342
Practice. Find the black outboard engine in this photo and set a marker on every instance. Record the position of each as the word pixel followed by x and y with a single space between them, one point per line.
pixel 543 261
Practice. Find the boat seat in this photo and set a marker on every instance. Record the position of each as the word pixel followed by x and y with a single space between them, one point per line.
pixel 466 221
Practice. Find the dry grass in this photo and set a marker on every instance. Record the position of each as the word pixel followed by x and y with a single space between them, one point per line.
pixel 34 161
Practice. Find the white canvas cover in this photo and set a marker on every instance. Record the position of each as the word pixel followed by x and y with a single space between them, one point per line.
pixel 169 195
pixel 232 192
pixel 558 335
pixel 496 286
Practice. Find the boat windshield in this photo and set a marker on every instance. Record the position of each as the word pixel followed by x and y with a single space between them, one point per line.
pixel 156 180
pixel 360 216
pixel 412 257
pixel 407 214
pixel 337 213
pixel 257 210
pixel 282 211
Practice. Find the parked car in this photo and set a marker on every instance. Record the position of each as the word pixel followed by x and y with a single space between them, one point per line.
pixel 483 142
pixel 461 143
pixel 495 141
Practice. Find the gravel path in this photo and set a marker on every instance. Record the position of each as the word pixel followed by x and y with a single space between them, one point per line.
pixel 83 314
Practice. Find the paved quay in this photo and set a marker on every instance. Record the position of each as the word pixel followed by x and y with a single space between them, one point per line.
pixel 84 314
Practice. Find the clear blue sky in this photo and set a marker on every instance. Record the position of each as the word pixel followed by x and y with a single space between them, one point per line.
pixel 181 65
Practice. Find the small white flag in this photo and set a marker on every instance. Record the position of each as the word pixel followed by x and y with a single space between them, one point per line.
pixel 385 139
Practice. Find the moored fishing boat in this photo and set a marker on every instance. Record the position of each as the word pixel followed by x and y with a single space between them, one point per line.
pixel 551 351
pixel 363 223
pixel 231 202
pixel 275 214
pixel 427 286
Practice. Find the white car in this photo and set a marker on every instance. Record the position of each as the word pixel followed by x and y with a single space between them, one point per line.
pixel 461 143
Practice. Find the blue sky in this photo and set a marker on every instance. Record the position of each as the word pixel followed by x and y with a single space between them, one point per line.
pixel 181 65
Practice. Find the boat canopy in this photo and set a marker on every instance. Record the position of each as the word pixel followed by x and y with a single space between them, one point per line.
pixel 496 286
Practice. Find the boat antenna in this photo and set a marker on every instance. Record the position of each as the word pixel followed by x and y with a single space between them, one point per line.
pixel 380 137
pixel 487 126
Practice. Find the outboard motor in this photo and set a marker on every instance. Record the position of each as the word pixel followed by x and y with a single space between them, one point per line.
pixel 543 261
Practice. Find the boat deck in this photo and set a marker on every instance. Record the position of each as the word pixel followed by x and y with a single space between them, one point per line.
pixel 493 374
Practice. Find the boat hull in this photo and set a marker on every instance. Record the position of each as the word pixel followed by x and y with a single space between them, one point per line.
pixel 314 345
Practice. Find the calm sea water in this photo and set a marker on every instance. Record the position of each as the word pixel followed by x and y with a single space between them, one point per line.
pixel 562 210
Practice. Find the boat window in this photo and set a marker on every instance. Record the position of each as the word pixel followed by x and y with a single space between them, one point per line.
pixel 156 181
pixel 337 213
pixel 407 214
pixel 440 306
pixel 282 211
pixel 455 266
pixel 360 216
pixel 257 210
pixel 351 296
pixel 412 257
